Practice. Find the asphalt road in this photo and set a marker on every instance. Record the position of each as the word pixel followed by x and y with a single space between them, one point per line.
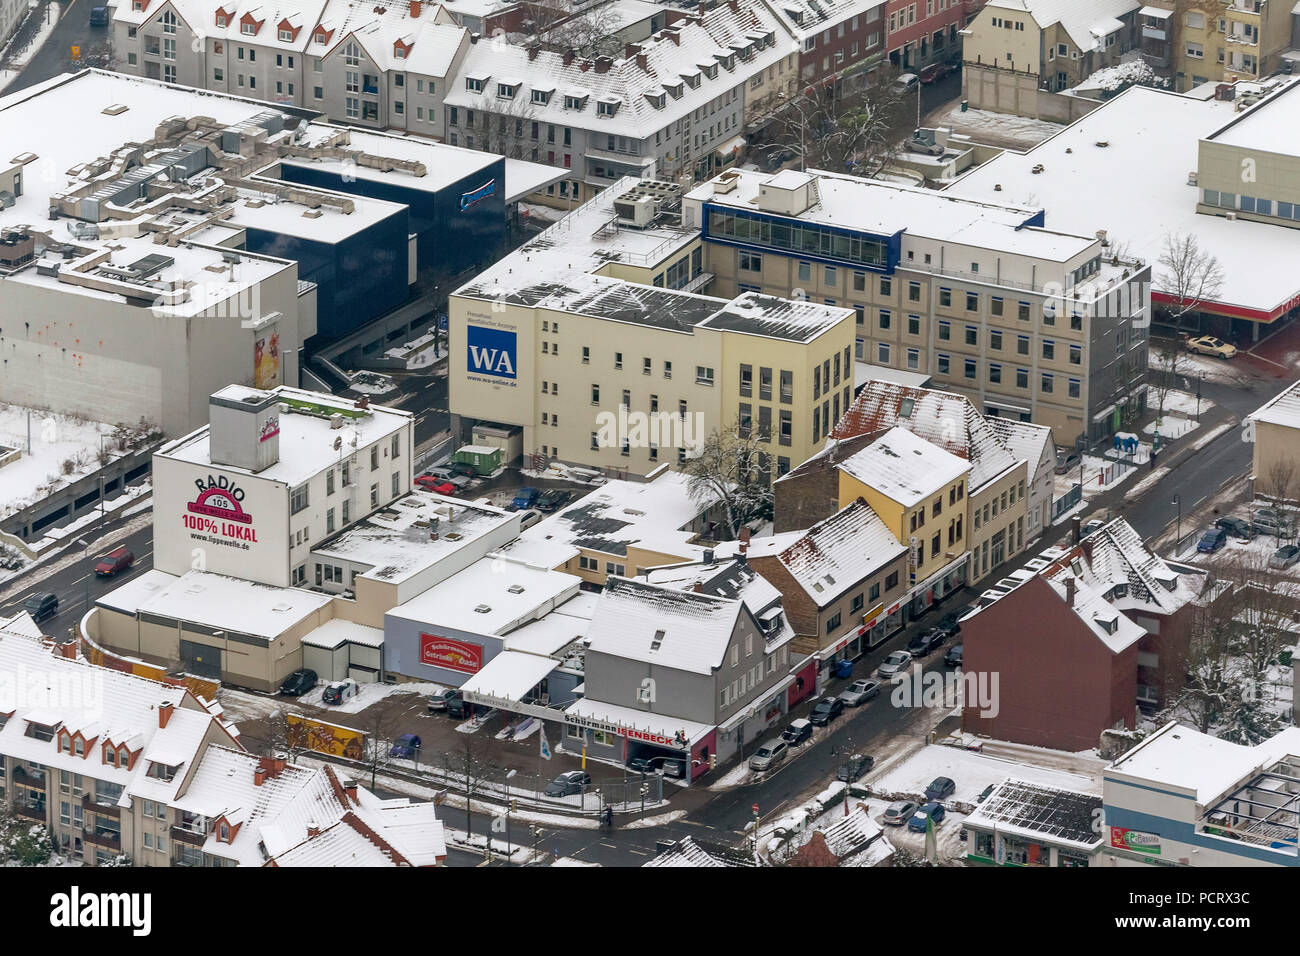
pixel 55 56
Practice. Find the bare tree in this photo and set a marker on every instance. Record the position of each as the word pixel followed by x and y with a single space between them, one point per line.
pixel 508 127
pixel 1168 363
pixel 862 133
pixel 1188 274
pixel 468 764
pixel 732 467
pixel 1280 475
pixel 588 29
pixel 384 720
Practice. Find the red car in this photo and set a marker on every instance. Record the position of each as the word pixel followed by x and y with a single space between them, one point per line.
pixel 436 485
pixel 114 562
pixel 935 71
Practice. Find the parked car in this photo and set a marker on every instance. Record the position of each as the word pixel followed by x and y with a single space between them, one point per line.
pixel 768 756
pixel 925 813
pixel 859 692
pixel 799 730
pixel 1067 459
pixel 1237 527
pixel 114 562
pixel 529 518
pixel 41 606
pixel 553 500
pixel 407 745
pixel 907 82
pixel 437 701
pixel 1212 540
pixel 950 623
pixel 458 707
pixel 99 16
pixel 853 768
pixel 940 787
pixel 340 691
pixel 1096 524
pixel 896 814
pixel 1285 557
pixel 568 783
pixel 641 765
pixel 935 71
pixel 986 793
pixel 299 682
pixel 953 657
pixel 1210 345
pixel 922 644
pixel 1270 521
pixel 827 709
pixel 525 498
pixel 442 472
pixel 464 469
pixel 896 663
pixel 436 485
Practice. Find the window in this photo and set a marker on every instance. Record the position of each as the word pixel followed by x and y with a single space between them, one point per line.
pixel 885 320
pixel 595 394
pixel 914 292
pixel 703 375
pixel 1022 378
pixel 1047 382
pixel 945 297
pixel 298 500
pixel 750 262
pixel 945 330
pixel 972 302
pixel 971 368
pixel 995 339
pixel 972 335
pixel 1049 349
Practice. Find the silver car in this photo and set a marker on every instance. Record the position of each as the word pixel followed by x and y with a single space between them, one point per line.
pixel 769 755
pixel 859 692
pixel 898 662
pixel 898 813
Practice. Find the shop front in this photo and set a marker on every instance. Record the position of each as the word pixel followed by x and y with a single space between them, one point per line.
pixel 622 735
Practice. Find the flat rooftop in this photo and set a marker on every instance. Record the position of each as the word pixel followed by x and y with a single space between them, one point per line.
pixel 1269 126
pixel 397 540
pixel 306 438
pixel 753 313
pixel 1151 142
pixel 443 164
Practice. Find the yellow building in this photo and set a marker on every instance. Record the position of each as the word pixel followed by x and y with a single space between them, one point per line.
pixel 1210 41
pixel 1275 430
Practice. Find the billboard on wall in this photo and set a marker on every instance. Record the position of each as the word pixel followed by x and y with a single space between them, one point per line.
pixel 1135 840
pixel 326 738
pixel 266 359
pixel 208 519
pixel 451 654
pixel 491 352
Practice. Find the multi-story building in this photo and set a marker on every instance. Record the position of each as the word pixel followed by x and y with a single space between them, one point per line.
pixel 837 39
pixel 673 107
pixel 1199 42
pixel 1014 48
pixel 920 32
pixel 12 13
pixel 1274 428
pixel 1027 322
pixel 117 765
pixel 385 65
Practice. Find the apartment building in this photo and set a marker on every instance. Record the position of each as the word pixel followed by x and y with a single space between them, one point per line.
pixel 1029 323
pixel 837 39
pixel 1198 42
pixel 384 65
pixel 920 32
pixel 1012 49
pixel 672 107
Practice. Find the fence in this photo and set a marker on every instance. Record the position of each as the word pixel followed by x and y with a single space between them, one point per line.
pixel 623 794
pixel 1067 501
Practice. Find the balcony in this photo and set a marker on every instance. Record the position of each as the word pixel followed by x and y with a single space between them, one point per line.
pixel 1154 33
pixel 108 839
pixel 182 834
pixel 88 802
pixel 30 812
pixel 31 779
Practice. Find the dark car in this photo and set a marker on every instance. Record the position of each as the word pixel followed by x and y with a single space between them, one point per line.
pixel 986 793
pixel 463 468
pixel 299 682
pixel 939 788
pixel 438 700
pixel 407 745
pixel 935 71
pixel 525 498
pixel 569 783
pixel 99 16
pixel 924 814
pixel 854 767
pixel 923 643
pixel 459 707
pixel 642 764
pixel 553 500
pixel 798 731
pixel 827 709
pixel 953 657
pixel 114 562
pixel 1212 541
pixel 41 606
pixel 950 623
pixel 1237 527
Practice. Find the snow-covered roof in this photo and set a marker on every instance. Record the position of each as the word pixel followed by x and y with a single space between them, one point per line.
pixel 691 852
pixel 509 676
pixel 905 467
pixel 752 313
pixel 683 630
pixel 306 439
pixel 1086 23
pixel 1158 132
pixel 669 56
pixel 1281 409
pixel 1116 562
pixel 339 149
pixel 1028 441
pixel 551 634
pixel 629 718
pixel 1264 126
pixel 733 578
pixel 945 419
pixel 492 596
pixel 1040 813
pixel 339 631
pixel 807 18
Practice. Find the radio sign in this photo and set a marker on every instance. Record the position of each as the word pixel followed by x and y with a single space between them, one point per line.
pixel 491 352
pixel 218 509
pixel 468 199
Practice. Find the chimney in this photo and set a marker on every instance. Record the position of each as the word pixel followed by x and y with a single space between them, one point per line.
pixel 643 62
pixel 1069 590
pixel 165 713
pixel 699 587
pixel 568 57
pixel 734 5
pixel 313 829
pixel 744 542
pixel 67 649
pixel 1076 529
pixel 415 9
pixel 532 53
pixel 259 776
pixel 584 66
pixel 631 49
pixel 603 63
pixel 708 555
pixel 350 789
pixel 363 402
pixel 674 36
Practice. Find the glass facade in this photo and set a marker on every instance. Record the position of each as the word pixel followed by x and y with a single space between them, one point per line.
pixel 811 240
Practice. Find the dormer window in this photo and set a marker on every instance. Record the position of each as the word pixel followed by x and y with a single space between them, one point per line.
pixel 541 97
pixel 676 89
pixel 575 102
pixel 123 757
pixel 473 84
pixel 321 37
pixel 657 100
pixel 223 832
pixel 692 80
pixel 399 51
pixel 162 771
pixel 137 6
pixel 248 28
pixel 506 91
pixel 37 731
pixel 222 20
pixel 1108 624
pixel 711 71
pixel 606 108
pixel 65 743
pixel 286 36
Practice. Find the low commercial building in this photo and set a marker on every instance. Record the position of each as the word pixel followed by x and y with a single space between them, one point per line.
pixel 1031 323
pixel 1030 824
pixel 1184 798
pixel 1275 429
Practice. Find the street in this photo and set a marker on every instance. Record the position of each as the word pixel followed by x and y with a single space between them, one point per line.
pixel 55 56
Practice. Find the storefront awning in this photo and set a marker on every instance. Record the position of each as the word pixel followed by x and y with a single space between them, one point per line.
pixel 658 729
pixel 507 677
pixel 732 145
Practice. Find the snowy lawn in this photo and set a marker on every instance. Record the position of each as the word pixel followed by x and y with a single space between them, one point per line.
pixel 1177 402
pixel 1000 126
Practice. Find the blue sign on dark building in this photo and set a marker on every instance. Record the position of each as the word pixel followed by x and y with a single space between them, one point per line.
pixel 468 199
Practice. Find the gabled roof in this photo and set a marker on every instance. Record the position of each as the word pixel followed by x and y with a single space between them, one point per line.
pixel 685 630
pixel 1116 562
pixel 1282 409
pixel 904 467
pixel 1086 21
pixel 946 419
pixel 840 551
pixel 692 852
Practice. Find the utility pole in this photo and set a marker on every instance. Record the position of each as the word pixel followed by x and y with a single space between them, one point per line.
pixel 1178 528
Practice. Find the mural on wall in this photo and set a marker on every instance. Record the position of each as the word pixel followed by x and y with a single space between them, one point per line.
pixel 266 360
pixel 326 738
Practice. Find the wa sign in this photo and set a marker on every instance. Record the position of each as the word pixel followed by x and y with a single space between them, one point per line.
pixel 491 352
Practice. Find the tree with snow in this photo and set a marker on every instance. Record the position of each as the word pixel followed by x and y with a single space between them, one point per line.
pixel 1168 365
pixel 1188 274
pixel 732 467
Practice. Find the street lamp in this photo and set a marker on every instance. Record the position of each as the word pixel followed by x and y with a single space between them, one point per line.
pixel 1178 528
pixel 536 832
pixel 510 805
pixel 85 545
pixel 1199 379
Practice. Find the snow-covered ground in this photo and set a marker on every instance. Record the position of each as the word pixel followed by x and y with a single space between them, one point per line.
pixel 972 772
pixel 1211 369
pixel 1099 474
pixel 985 126
pixel 372 383
pixel 1171 427
pixel 1177 402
